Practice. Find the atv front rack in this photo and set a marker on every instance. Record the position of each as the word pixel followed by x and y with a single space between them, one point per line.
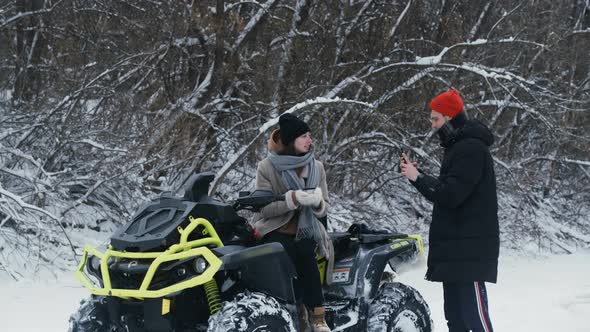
pixel 183 251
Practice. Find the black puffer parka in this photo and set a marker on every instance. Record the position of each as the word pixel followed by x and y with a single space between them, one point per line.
pixel 464 234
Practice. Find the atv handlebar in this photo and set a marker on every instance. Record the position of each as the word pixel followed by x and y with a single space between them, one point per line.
pixel 255 201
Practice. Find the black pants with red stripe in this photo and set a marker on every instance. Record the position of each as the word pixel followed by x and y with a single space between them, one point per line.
pixel 466 307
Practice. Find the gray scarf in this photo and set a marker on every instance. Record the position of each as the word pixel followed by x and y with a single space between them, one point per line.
pixel 307 227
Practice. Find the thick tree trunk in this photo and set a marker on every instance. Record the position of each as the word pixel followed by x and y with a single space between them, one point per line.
pixel 30 43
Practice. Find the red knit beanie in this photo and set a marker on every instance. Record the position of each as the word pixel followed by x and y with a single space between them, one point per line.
pixel 447 103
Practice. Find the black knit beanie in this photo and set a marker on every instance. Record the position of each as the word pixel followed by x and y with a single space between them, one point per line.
pixel 291 127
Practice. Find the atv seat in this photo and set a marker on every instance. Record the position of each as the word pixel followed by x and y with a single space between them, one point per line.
pixel 226 250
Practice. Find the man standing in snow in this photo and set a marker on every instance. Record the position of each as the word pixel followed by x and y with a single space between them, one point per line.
pixel 464 234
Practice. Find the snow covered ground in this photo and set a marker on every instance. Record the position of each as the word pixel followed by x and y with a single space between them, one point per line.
pixel 541 294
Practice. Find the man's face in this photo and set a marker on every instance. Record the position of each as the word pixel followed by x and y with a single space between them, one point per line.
pixel 437 119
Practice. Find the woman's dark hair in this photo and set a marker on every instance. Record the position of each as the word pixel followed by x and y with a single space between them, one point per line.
pixel 287 149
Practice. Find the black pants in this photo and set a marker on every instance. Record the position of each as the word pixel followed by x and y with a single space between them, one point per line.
pixel 308 286
pixel 466 307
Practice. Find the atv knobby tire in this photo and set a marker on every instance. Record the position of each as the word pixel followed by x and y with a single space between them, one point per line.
pixel 91 316
pixel 398 308
pixel 252 312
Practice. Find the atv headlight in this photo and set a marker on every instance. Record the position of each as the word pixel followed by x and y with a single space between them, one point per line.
pixel 94 263
pixel 93 268
pixel 181 272
pixel 200 265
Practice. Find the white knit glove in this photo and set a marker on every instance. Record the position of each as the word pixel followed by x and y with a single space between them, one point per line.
pixel 313 199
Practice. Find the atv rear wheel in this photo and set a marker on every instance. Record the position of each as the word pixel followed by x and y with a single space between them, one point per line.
pixel 252 312
pixel 92 316
pixel 398 308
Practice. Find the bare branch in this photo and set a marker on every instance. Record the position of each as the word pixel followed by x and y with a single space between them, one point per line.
pixel 264 128
pixel 399 19
pixel 23 15
pixel 263 11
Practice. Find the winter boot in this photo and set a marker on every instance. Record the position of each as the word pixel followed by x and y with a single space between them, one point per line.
pixel 318 320
pixel 304 325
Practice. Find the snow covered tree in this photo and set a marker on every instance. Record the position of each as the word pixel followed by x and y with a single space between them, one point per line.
pixel 103 104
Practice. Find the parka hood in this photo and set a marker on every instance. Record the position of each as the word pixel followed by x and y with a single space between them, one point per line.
pixel 469 129
pixel 476 129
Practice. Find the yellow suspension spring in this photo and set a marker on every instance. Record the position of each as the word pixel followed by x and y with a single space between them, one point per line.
pixel 213 298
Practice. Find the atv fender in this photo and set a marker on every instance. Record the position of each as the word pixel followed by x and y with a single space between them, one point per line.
pixel 265 268
pixel 371 269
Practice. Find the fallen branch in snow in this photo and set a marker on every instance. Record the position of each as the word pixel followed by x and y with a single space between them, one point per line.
pixel 20 154
pixel 100 146
pixel 25 206
pixel 10 272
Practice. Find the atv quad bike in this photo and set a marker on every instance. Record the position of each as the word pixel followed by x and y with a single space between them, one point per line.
pixel 193 264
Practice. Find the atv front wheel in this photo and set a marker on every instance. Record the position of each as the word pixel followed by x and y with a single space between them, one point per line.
pixel 398 308
pixel 252 312
pixel 92 316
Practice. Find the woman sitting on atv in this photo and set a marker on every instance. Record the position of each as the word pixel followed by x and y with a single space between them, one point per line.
pixel 291 169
